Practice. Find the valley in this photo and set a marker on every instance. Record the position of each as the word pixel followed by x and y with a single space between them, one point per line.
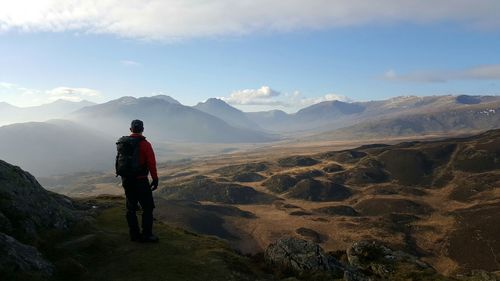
pixel 431 198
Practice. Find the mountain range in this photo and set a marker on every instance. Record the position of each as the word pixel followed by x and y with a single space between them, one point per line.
pixel 167 119
pixel 331 115
pixel 58 109
pixel 214 122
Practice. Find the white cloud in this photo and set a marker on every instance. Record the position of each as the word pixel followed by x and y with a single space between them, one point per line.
pixel 483 72
pixel 267 98
pixel 22 96
pixel 130 63
pixel 262 96
pixel 173 19
pixel 298 100
pixel 72 94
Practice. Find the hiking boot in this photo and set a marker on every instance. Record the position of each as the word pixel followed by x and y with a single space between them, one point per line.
pixel 135 238
pixel 150 239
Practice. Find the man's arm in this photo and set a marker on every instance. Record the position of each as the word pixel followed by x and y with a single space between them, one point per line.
pixel 151 163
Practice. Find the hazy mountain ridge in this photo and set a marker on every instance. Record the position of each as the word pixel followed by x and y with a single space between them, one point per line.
pixel 56 147
pixel 57 109
pixel 166 121
pixel 457 119
pixel 332 115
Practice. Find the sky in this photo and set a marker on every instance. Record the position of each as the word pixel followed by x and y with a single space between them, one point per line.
pixel 254 54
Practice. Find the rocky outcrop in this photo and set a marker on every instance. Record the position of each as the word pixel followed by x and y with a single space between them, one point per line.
pixel 300 256
pixel 26 211
pixel 26 207
pixel 366 260
pixel 18 258
pixel 373 257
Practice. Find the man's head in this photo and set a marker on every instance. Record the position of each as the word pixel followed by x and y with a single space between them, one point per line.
pixel 137 126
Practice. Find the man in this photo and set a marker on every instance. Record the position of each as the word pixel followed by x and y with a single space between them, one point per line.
pixel 137 186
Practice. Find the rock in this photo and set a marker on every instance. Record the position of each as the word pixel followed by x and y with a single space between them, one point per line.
pixel 378 259
pixel 301 256
pixel 18 258
pixel 29 207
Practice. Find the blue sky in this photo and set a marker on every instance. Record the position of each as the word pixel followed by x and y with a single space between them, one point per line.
pixel 255 68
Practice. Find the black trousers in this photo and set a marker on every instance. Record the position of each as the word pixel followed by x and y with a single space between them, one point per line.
pixel 138 191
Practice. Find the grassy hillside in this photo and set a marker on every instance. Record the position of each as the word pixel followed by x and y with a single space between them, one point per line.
pixel 100 250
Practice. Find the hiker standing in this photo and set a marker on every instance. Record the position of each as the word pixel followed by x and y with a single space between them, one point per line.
pixel 134 161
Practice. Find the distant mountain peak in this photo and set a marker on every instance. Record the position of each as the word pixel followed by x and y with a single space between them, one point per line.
pixel 64 102
pixel 126 99
pixel 6 105
pixel 166 98
pixel 215 102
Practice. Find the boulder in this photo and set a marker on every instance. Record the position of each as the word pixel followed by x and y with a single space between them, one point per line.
pixel 18 258
pixel 371 256
pixel 26 207
pixel 300 256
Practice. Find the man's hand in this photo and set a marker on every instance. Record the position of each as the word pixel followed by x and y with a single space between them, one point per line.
pixel 154 184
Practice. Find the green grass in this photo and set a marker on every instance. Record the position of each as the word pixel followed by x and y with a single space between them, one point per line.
pixel 179 255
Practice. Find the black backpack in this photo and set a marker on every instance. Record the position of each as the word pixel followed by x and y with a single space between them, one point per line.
pixel 127 157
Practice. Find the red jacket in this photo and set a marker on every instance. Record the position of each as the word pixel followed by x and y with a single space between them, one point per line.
pixel 147 156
